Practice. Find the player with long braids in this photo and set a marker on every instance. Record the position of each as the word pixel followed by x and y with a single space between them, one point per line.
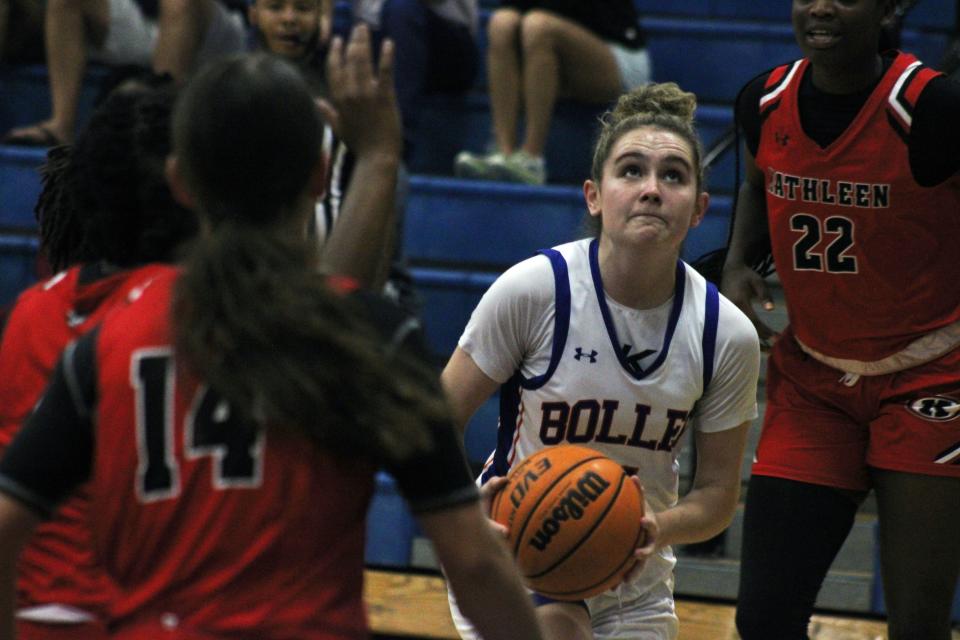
pixel 853 167
pixel 231 416
pixel 104 210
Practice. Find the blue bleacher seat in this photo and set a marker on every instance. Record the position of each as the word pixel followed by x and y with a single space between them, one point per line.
pixel 725 54
pixel 455 123
pixel 494 225
pixel 933 15
pixel 19 185
pixel 928 15
pixel 481 437
pixel 26 94
pixel 449 297
pixel 701 8
pixel 486 223
pixel 18 265
pixel 390 526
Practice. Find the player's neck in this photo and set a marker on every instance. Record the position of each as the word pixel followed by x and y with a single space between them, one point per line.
pixel 638 282
pixel 851 78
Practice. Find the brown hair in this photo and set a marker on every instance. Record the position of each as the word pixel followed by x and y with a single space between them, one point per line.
pixel 252 316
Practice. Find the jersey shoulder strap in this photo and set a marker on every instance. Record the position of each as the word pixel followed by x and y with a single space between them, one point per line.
pixel 913 76
pixel 709 340
pixel 777 82
pixel 561 316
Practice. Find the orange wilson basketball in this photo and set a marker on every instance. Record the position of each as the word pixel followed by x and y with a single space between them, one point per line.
pixel 574 521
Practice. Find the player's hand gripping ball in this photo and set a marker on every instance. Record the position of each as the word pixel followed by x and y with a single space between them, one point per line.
pixel 573 517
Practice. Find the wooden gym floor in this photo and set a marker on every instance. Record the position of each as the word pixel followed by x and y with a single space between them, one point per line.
pixel 403 605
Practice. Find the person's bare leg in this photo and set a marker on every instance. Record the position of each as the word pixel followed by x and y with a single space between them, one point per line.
pixel 70 27
pixel 503 76
pixel 4 21
pixel 561 58
pixel 919 554
pixel 181 26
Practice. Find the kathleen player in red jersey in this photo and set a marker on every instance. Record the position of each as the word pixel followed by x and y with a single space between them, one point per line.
pixel 853 170
pixel 231 416
pixel 104 205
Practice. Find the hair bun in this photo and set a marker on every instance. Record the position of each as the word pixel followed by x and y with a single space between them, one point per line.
pixel 665 98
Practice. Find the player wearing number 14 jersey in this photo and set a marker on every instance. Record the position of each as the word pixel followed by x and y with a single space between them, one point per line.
pixel 259 518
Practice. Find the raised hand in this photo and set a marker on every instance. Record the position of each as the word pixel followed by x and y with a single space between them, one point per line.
pixel 363 107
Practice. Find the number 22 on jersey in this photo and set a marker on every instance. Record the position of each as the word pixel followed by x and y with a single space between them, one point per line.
pixel 834 257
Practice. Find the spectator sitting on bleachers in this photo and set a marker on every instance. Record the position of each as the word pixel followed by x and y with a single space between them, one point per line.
pixel 436 50
pixel 172 36
pixel 298 30
pixel 21 30
pixel 541 50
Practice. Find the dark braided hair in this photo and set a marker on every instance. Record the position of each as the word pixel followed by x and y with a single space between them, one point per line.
pixel 105 198
pixel 252 316
pixel 63 228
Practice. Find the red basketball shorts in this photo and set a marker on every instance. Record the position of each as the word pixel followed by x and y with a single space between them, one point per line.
pixel 825 427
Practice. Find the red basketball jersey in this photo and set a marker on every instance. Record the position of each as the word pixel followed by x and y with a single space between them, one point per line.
pixel 211 527
pixel 867 256
pixel 57 566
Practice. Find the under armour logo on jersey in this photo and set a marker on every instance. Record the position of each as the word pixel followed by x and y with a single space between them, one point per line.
pixel 580 355
pixel 936 408
pixel 633 361
pixel 782 138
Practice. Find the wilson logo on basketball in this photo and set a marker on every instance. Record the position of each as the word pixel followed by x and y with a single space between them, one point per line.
pixel 526 479
pixel 936 408
pixel 570 507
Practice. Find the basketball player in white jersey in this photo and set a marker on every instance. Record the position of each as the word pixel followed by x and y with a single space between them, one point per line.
pixel 616 344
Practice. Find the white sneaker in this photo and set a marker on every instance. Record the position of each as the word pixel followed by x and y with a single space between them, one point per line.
pixel 478 166
pixel 521 167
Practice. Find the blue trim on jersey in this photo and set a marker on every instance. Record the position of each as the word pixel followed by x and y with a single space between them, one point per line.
pixel 510 390
pixel 711 318
pixel 539 600
pixel 679 288
pixel 509 414
pixel 561 318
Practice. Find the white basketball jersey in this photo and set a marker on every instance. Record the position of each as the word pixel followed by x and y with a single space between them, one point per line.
pixel 595 392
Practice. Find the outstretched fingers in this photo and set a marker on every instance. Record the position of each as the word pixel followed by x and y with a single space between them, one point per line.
pixel 385 69
pixel 362 96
